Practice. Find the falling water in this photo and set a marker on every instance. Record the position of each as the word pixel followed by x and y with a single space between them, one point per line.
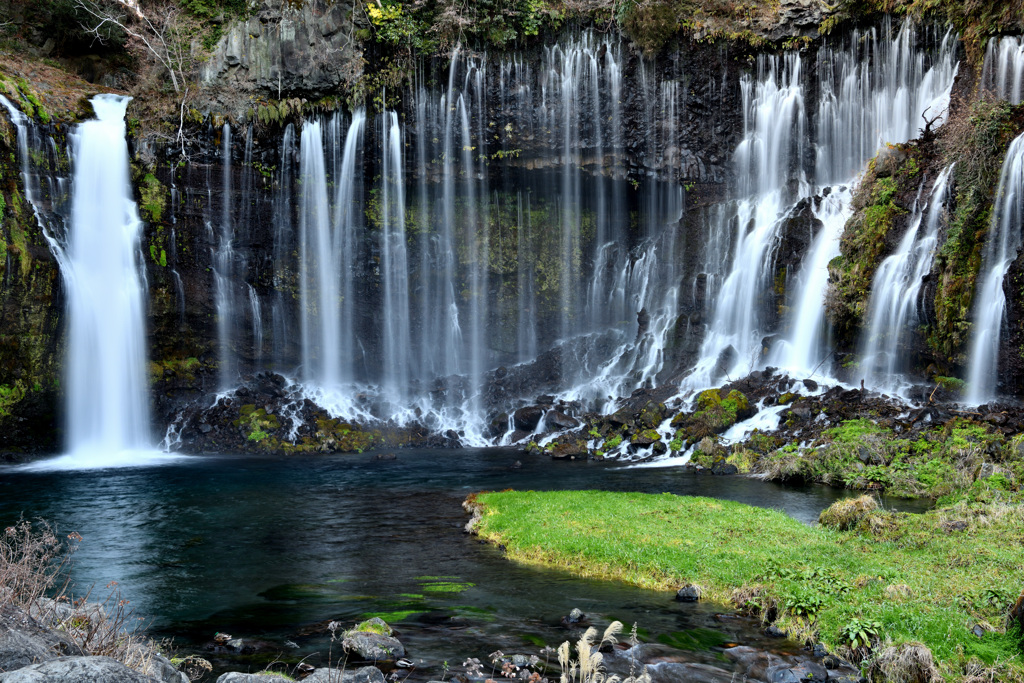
pixel 894 308
pixel 108 406
pixel 805 349
pixel 257 324
pixel 394 264
pixel 1004 241
pixel 1003 71
pixel 321 326
pixel 223 266
pixel 773 112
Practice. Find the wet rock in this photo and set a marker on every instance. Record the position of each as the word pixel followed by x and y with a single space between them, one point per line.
pixel 570 450
pixel 366 674
pixel 810 385
pixel 373 647
pixel 385 456
pixel 76 670
pixel 688 672
pixel 801 410
pixel 723 468
pixel 726 359
pixel 560 420
pixel 575 617
pixel 688 593
pixel 774 631
pixel 752 663
pixel 238 677
pixel 805 671
pixel 527 419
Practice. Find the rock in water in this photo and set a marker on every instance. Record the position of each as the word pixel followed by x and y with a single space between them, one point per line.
pixel 373 647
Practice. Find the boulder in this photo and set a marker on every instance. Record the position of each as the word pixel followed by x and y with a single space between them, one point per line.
pixel 688 593
pixel 679 672
pixel 373 647
pixel 560 420
pixel 237 677
pixel 23 641
pixel 366 674
pixel 526 419
pixel 78 670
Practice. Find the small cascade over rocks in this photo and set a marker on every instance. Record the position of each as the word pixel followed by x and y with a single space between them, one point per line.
pixel 1003 71
pixel 895 305
pixel 1001 247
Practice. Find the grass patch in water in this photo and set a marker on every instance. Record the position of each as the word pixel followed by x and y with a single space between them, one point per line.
pixel 392 617
pixel 447 586
pixel 904 578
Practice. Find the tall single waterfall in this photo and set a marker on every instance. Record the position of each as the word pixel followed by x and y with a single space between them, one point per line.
pixel 1003 71
pixel 1001 247
pixel 108 404
pixel 223 274
pixel 894 308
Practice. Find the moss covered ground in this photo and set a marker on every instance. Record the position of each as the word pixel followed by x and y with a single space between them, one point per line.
pixel 891 578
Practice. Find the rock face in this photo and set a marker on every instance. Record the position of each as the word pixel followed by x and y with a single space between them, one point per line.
pixel 76 670
pixel 305 48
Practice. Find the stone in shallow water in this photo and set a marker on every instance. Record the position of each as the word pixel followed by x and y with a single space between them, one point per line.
pixel 373 647
pixel 688 593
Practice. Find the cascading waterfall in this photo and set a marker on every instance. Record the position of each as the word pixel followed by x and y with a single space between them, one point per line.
pixel 108 405
pixel 804 350
pixel 894 308
pixel 1003 71
pixel 774 122
pixel 1001 247
pixel 877 90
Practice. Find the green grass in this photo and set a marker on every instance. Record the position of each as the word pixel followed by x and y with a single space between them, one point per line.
pixel 906 573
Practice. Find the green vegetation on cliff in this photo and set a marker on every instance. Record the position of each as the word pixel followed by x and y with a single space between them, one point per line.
pixel 976 141
pixel 892 579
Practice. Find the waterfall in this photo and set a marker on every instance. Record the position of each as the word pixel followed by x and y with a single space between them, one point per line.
pixel 877 89
pixel 107 401
pixel 804 351
pixel 223 266
pixel 319 279
pixel 1001 247
pixel 773 115
pixel 1003 70
pixel 257 324
pixel 394 264
pixel 894 309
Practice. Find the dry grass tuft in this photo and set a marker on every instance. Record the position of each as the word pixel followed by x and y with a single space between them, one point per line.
pixel 905 663
pixel 844 515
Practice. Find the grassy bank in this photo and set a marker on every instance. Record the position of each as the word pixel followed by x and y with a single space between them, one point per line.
pixel 892 578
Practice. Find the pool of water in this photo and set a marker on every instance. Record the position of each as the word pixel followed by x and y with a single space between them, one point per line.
pixel 272 548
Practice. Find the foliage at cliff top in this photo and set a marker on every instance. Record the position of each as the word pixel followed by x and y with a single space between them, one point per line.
pixel 891 579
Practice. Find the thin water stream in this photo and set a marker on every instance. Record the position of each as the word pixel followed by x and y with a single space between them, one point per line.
pixel 271 548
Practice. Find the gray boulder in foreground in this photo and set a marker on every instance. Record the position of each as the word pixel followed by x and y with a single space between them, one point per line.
pixel 76 670
pixel 24 641
pixel 367 674
pixel 236 677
